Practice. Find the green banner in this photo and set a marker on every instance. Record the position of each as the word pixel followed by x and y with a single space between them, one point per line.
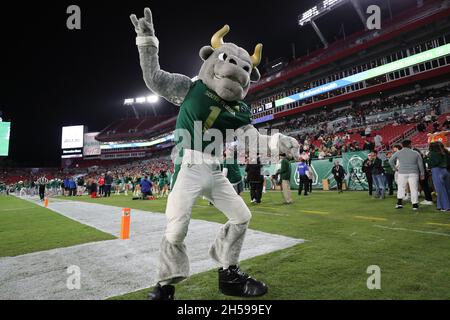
pixel 321 170
pixel 352 163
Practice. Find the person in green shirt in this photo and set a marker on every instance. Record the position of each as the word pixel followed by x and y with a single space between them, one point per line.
pixel 285 176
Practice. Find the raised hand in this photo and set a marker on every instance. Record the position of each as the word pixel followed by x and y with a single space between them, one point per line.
pixel 144 26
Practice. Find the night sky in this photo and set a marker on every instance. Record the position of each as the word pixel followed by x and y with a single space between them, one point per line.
pixel 52 76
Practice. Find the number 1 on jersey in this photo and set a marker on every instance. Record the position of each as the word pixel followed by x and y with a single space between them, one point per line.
pixel 215 112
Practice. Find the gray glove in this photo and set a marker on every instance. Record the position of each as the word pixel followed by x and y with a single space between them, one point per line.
pixel 144 26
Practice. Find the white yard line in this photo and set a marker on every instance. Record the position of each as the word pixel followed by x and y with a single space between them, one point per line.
pixel 412 230
pixel 115 267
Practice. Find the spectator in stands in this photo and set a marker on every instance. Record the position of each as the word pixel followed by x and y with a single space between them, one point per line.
pixel 108 184
pixel 410 171
pixel 302 169
pixel 436 127
pixel 368 131
pixel 446 124
pixel 285 175
pixel 368 145
pixel 339 175
pixel 379 178
pixel 378 142
pixel 438 162
pixel 421 127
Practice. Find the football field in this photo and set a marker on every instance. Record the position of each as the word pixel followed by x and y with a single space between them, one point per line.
pixel 26 228
pixel 345 234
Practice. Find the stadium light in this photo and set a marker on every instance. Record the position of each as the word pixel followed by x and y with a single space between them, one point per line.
pixel 152 99
pixel 319 10
pixel 141 100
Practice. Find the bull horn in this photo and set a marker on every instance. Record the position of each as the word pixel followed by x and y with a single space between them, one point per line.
pixel 257 56
pixel 217 39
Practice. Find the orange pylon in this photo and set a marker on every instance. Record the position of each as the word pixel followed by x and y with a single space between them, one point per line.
pixel 125 229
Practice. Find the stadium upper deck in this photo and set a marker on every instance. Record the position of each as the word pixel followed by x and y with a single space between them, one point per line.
pixel 418 33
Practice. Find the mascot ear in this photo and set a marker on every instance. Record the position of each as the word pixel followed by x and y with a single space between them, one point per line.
pixel 255 76
pixel 206 52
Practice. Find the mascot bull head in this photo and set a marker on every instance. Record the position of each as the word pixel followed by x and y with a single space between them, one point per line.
pixel 228 69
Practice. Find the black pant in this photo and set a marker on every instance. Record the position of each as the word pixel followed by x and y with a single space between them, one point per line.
pixel 42 192
pixel 426 189
pixel 339 181
pixel 370 183
pixel 147 194
pixel 310 184
pixel 256 189
pixel 303 184
pixel 390 182
pixel 107 190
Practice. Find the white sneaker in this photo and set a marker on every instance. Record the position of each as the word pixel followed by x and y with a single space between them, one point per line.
pixel 427 203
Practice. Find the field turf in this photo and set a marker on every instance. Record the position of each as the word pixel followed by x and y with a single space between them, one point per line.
pixel 345 233
pixel 26 228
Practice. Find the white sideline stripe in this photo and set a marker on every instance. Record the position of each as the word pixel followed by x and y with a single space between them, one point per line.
pixel 412 230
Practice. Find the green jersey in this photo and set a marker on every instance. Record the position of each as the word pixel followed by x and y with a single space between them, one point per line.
pixel 163 181
pixel 202 110
pixel 205 107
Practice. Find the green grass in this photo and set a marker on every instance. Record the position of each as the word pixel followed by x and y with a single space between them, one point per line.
pixel 26 227
pixel 332 263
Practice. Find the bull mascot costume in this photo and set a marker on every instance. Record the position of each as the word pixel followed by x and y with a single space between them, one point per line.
pixel 215 100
